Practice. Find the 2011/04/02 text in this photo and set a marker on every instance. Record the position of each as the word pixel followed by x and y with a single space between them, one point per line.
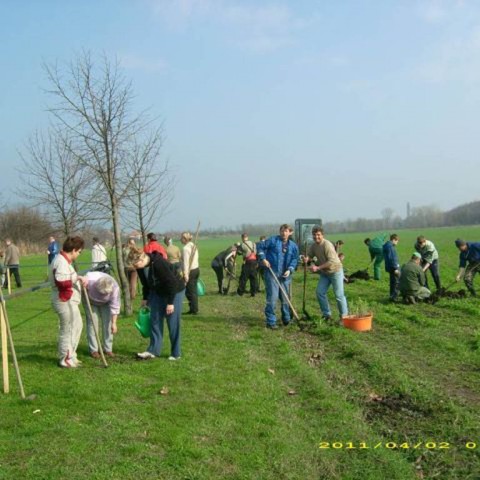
pixel 393 445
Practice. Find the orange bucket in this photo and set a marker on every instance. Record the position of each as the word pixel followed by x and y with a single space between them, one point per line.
pixel 359 324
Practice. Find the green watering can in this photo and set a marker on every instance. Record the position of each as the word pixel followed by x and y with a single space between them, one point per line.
pixel 143 322
pixel 200 288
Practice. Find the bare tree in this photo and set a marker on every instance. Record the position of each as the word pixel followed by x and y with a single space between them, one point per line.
pixel 387 215
pixel 55 181
pixel 152 188
pixel 94 105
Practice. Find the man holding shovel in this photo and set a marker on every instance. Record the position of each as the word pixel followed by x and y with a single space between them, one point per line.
pixel 330 268
pixel 375 249
pixel 469 253
pixel 279 256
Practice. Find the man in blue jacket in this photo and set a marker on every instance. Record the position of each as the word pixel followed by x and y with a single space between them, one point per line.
pixel 392 265
pixel 279 256
pixel 53 249
pixel 469 253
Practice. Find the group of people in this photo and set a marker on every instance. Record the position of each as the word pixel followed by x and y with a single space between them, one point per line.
pixel 166 275
pixel 410 281
pixel 224 266
pixel 275 259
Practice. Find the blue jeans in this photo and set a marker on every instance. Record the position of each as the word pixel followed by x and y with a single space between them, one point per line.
pixel 158 306
pixel 273 293
pixel 336 281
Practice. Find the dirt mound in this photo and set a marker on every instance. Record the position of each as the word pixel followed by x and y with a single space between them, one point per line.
pixel 359 274
pixel 443 293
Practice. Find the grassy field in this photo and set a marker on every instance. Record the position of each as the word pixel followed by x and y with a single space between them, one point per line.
pixel 399 402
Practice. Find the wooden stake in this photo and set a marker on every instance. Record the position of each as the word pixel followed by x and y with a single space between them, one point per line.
pixel 12 348
pixel 3 329
pixel 97 336
pixel 9 283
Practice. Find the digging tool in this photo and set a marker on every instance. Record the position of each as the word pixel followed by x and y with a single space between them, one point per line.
pixel 231 275
pixel 369 265
pixel 12 346
pixel 437 295
pixel 90 311
pixel 304 310
pixel 285 295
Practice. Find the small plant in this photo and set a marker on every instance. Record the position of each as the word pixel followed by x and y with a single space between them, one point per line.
pixel 360 308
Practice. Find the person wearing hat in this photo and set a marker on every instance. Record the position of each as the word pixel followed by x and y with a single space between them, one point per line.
pixel 412 281
pixel 469 263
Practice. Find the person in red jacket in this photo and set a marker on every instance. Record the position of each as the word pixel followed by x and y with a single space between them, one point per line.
pixel 153 246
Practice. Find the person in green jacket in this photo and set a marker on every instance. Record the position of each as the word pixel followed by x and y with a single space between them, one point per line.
pixel 375 248
pixel 412 281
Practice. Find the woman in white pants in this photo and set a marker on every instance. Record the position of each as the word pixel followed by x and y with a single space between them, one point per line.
pixel 66 297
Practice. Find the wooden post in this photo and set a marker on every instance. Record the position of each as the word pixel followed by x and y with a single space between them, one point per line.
pixel 9 283
pixel 3 329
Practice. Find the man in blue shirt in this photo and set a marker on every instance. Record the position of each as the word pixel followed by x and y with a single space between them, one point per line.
pixel 469 253
pixel 53 249
pixel 279 254
pixel 392 265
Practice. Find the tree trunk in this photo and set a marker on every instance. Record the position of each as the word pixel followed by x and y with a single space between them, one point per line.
pixel 127 302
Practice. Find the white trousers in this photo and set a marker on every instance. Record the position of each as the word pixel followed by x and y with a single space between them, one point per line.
pixel 70 330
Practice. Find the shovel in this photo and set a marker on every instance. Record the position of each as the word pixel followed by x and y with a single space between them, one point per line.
pixel 284 293
pixel 97 336
pixel 306 315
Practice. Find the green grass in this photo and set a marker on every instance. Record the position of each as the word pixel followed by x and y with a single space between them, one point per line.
pixel 228 412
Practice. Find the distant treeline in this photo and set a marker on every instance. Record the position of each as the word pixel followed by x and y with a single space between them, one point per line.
pixel 30 229
pixel 420 217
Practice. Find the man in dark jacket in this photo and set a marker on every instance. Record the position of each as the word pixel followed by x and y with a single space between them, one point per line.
pixel 412 280
pixel 222 263
pixel 12 262
pixel 469 253
pixel 392 265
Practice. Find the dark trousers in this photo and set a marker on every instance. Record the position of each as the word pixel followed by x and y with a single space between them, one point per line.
pixel 219 273
pixel 14 270
pixel 249 272
pixel 394 284
pixel 472 269
pixel 191 290
pixel 434 270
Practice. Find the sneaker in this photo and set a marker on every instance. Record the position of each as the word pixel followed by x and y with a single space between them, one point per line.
pixel 286 323
pixel 173 359
pixel 145 356
pixel 110 354
pixel 95 355
pixel 327 318
pixel 271 327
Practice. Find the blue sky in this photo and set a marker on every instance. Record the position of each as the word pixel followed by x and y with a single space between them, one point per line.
pixel 272 110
